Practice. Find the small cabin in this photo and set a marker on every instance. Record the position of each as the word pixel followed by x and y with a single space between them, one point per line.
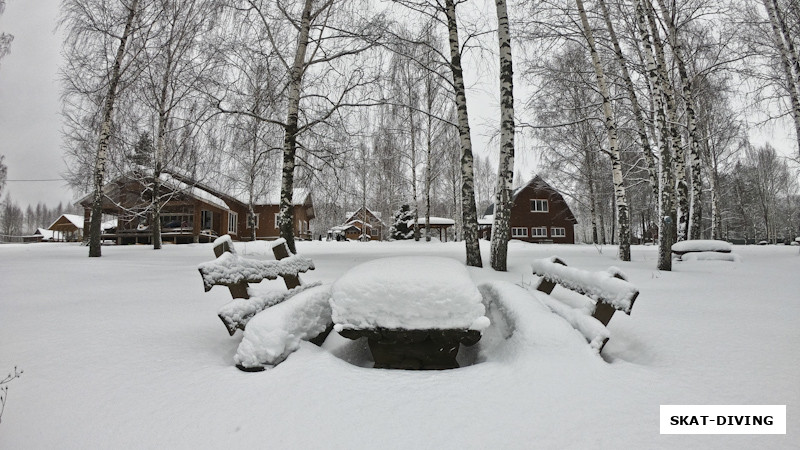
pixel 363 222
pixel 538 214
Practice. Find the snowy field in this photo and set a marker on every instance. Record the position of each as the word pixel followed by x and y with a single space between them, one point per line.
pixel 126 351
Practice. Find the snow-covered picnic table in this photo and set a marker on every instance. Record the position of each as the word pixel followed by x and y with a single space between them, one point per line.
pixel 415 312
pixel 704 249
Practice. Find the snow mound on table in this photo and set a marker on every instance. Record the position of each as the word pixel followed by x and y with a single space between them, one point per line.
pixel 273 334
pixel 592 329
pixel 409 293
pixel 701 245
pixel 711 256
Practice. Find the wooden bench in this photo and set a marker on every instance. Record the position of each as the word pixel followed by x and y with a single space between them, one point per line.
pixel 610 290
pixel 236 272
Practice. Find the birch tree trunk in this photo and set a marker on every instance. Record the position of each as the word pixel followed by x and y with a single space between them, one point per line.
pixel 692 231
pixel 783 41
pixel 505 170
pixel 469 213
pixel 665 238
pixel 163 119
pixel 414 193
pixel 678 172
pixel 286 220
pixel 620 197
pixel 638 117
pixel 105 136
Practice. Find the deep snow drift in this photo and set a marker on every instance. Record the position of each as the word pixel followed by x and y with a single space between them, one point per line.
pixel 126 351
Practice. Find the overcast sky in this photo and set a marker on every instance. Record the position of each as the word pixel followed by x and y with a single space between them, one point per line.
pixel 30 126
pixel 30 136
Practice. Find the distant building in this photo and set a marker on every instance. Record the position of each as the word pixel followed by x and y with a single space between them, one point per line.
pixel 538 214
pixel 363 222
pixel 192 211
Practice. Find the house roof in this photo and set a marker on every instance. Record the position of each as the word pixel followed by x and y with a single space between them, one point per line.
pixel 539 184
pixel 184 183
pixel 67 222
pixel 351 215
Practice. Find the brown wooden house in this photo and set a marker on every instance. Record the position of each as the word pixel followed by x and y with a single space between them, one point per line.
pixel 363 222
pixel 191 211
pixel 538 214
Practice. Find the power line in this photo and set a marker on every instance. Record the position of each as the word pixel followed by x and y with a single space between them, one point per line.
pixel 48 179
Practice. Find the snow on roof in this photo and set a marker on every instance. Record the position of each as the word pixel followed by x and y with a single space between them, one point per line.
pixel 434 221
pixel 377 215
pixel 194 191
pixel 407 292
pixel 701 245
pixel 45 233
pixel 486 220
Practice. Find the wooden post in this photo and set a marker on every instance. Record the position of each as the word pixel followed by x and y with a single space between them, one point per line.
pixel 238 290
pixel 280 252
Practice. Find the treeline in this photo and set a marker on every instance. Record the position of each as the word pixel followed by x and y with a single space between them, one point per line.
pixel 638 111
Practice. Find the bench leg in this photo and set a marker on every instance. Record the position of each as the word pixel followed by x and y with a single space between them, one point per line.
pixel 603 312
pixel 546 286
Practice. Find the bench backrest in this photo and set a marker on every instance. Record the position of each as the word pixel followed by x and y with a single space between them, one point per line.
pixel 609 288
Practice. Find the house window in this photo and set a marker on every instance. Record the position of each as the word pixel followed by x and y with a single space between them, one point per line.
pixel 539 206
pixel 538 231
pixel 256 219
pixel 277 220
pixel 206 220
pixel 374 232
pixel 519 232
pixel 233 222
pixel 558 231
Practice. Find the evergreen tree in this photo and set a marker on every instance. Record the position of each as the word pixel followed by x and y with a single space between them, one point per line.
pixel 400 229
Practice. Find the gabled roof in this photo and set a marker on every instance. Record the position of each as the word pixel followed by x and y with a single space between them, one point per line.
pixel 358 215
pixel 185 184
pixel 537 183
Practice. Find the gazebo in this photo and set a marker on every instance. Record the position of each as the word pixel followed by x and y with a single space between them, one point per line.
pixel 435 223
pixel 68 227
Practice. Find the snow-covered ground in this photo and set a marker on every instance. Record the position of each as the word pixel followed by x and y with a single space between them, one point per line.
pixel 126 351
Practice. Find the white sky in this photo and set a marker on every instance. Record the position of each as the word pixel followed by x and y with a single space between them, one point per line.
pixel 30 125
pixel 29 103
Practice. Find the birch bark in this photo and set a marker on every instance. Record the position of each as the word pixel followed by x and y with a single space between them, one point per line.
pixel 105 135
pixel 783 41
pixel 505 171
pixel 620 196
pixel 468 209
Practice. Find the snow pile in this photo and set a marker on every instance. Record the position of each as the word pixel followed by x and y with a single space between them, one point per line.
pixel 230 269
pixel 409 293
pixel 596 285
pixel 711 256
pixel 701 245
pixel 522 324
pixel 276 332
pixel 592 329
pixel 238 312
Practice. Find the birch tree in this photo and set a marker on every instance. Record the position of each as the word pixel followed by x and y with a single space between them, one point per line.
pixel 505 170
pixel 790 60
pixel 89 24
pixel 620 196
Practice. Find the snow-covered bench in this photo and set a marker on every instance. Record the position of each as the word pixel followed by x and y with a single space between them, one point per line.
pixel 704 249
pixel 414 311
pixel 609 289
pixel 236 272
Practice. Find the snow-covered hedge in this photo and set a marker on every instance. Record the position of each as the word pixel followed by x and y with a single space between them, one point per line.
pixel 407 293
pixel 711 256
pixel 273 334
pixel 701 245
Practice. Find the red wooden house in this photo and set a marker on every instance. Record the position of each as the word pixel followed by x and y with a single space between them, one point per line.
pixel 363 222
pixel 538 214
pixel 191 211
